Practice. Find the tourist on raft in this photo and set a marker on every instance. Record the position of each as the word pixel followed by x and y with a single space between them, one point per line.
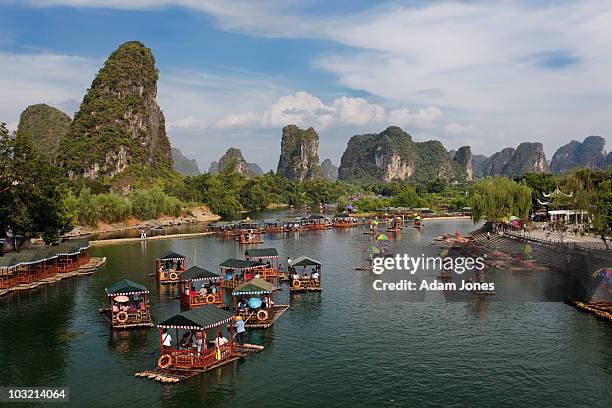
pixel 220 340
pixel 166 338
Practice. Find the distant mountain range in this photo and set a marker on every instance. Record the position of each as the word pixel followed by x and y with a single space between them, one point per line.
pixel 119 134
pixel 185 166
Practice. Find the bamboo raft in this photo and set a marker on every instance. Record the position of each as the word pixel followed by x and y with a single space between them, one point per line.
pixel 174 375
pixel 602 310
pixel 83 270
pixel 252 322
pixel 143 324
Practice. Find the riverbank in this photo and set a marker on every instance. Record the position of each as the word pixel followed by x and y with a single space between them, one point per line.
pixel 196 215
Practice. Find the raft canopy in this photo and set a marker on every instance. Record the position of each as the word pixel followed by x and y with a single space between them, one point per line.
pixel 171 256
pixel 37 255
pixel 261 252
pixel 240 264
pixel 255 286
pixel 203 318
pixel 126 287
pixel 316 217
pixel 195 273
pixel 304 261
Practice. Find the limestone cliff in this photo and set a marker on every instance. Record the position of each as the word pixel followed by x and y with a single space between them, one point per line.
pixel 299 158
pixel 528 157
pixel 590 153
pixel 233 160
pixel 46 125
pixel 185 166
pixel 494 165
pixel 463 160
pixel 392 155
pixel 119 124
pixel 330 171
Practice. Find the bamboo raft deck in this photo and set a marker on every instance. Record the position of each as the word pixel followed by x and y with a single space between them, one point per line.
pixel 83 270
pixel 305 289
pixel 174 375
pixel 602 310
pixel 137 325
pixel 251 321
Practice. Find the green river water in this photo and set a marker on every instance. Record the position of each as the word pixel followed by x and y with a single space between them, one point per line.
pixel 349 346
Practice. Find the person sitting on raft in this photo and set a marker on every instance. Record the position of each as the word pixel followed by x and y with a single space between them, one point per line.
pixel 220 340
pixel 200 340
pixel 186 341
pixel 315 275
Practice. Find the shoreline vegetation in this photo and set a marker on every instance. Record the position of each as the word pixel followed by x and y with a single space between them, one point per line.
pixel 38 200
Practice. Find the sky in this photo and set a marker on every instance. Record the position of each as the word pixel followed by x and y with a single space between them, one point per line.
pixel 479 73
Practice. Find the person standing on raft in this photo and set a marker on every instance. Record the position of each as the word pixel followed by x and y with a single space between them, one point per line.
pixel 240 330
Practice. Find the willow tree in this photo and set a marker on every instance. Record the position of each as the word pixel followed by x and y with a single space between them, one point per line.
pixel 494 199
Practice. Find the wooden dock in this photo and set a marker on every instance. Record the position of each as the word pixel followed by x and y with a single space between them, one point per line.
pixel 84 270
pixel 602 310
pixel 174 375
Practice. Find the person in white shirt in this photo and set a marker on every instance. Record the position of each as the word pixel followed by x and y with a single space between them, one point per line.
pixel 166 338
pixel 315 275
pixel 220 340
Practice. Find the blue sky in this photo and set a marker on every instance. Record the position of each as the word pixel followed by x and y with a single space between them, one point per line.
pixel 483 74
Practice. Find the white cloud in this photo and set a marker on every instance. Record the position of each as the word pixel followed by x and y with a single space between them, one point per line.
pixel 237 119
pixel 300 108
pixel 187 122
pixel 457 129
pixel 423 118
pixel 357 111
pixel 27 79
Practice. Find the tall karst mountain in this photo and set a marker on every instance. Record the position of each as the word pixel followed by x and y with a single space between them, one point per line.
pixel 510 162
pixel 119 124
pixel 183 165
pixel 330 171
pixel 233 160
pixel 47 126
pixel 299 158
pixel 392 155
pixel 590 153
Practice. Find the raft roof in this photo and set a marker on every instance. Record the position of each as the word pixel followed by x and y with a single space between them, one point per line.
pixel 170 255
pixel 126 287
pixel 204 317
pixel 255 286
pixel 240 264
pixel 261 252
pixel 304 261
pixel 316 217
pixel 195 273
pixel 36 255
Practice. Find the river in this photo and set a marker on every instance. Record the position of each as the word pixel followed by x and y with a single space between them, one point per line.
pixel 347 346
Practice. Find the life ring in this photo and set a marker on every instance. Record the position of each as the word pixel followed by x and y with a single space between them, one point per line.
pixel 296 283
pixel 120 317
pixel 164 361
pixel 173 276
pixel 262 315
pixel 210 298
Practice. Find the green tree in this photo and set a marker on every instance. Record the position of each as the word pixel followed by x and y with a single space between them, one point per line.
pixel 34 198
pixel 255 195
pixel 493 199
pixel 602 211
pixel 407 197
